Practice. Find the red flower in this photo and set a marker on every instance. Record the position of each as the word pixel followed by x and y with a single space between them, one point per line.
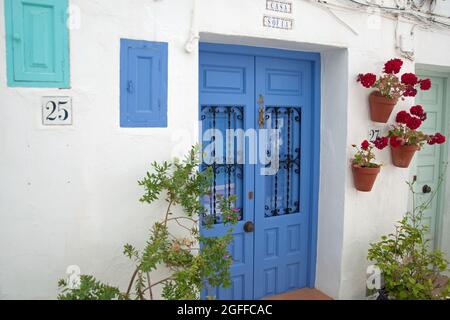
pixel 381 142
pixel 402 117
pixel 409 79
pixel 365 145
pixel 367 80
pixel 396 141
pixel 437 139
pixel 425 84
pixel 417 110
pixel 393 66
pixel 410 92
pixel 413 123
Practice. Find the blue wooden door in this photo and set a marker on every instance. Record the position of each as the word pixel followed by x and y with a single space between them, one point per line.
pixel 282 181
pixel 270 99
pixel 227 84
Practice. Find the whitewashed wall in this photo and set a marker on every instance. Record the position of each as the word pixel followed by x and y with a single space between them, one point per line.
pixel 69 195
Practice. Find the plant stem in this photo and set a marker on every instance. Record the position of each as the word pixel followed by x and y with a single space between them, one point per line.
pixel 167 213
pixel 159 282
pixel 187 218
pixel 130 285
pixel 149 286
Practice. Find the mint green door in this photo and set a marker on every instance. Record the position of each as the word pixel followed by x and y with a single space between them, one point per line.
pixel 429 161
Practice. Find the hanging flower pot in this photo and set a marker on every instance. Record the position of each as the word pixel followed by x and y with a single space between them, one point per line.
pixel 406 139
pixel 364 177
pixel 365 171
pixel 389 88
pixel 402 155
pixel 381 107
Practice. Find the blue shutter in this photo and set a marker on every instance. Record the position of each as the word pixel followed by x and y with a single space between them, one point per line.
pixel 143 84
pixel 37 43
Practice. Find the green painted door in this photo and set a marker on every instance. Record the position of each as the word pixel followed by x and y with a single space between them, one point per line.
pixel 429 161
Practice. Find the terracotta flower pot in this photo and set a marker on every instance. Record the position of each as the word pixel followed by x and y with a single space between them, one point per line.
pixel 402 155
pixel 364 178
pixel 380 107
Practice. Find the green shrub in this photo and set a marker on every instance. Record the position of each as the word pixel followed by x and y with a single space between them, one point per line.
pixel 180 183
pixel 410 268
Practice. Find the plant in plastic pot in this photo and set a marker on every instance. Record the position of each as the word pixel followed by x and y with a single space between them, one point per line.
pixel 364 169
pixel 405 138
pixel 389 88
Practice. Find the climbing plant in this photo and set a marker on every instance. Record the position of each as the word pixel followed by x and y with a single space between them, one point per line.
pixel 181 184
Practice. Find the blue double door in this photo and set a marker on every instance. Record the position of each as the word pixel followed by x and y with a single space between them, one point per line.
pixel 256 131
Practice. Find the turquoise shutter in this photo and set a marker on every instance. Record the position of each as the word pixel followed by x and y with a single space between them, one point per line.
pixel 37 43
pixel 143 84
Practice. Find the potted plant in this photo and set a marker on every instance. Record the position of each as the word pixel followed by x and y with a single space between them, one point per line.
pixel 365 171
pixel 410 269
pixel 389 88
pixel 405 138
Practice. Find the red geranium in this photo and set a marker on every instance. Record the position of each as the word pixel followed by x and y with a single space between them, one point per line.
pixel 437 138
pixel 413 123
pixel 393 66
pixel 402 117
pixel 365 145
pixel 396 141
pixel 405 131
pixel 425 84
pixel 418 111
pixel 367 80
pixel 364 156
pixel 390 85
pixel 381 142
pixel 410 92
pixel 409 79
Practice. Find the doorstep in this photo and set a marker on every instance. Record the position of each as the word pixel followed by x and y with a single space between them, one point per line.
pixel 301 294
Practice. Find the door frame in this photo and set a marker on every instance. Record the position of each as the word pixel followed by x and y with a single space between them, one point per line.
pixel 315 59
pixel 441 204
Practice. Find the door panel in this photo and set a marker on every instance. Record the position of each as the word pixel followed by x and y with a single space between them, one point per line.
pixel 226 102
pixel 272 259
pixel 429 159
pixel 281 209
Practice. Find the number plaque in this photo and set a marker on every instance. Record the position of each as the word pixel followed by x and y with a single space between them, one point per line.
pixel 56 111
pixel 376 131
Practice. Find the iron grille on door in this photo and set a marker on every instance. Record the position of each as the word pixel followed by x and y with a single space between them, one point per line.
pixel 283 187
pixel 224 156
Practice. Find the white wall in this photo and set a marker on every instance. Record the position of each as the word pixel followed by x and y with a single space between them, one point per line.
pixel 69 195
pixel 333 170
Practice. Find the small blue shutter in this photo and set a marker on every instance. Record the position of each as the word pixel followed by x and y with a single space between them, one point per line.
pixel 37 43
pixel 143 84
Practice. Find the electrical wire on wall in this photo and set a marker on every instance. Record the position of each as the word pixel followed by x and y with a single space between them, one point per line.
pixel 416 11
pixel 419 13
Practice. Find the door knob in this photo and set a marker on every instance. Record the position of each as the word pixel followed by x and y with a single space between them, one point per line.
pixel 249 226
pixel 426 189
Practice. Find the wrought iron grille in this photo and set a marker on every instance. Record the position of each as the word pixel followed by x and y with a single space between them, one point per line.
pixel 282 189
pixel 223 154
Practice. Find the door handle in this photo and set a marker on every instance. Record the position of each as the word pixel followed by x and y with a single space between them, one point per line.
pixel 130 87
pixel 426 189
pixel 261 112
pixel 249 226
